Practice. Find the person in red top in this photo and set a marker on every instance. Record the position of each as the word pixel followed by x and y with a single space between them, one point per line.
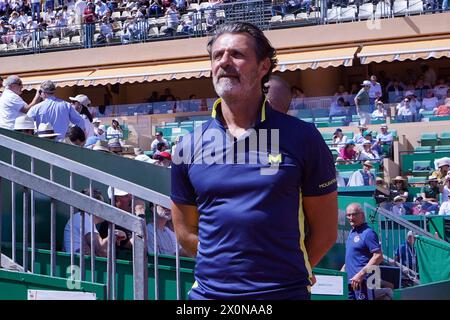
pixel 89 19
pixel 444 109
pixel 348 152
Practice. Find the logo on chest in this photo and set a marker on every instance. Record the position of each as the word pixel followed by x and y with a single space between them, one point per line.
pixel 356 239
pixel 275 159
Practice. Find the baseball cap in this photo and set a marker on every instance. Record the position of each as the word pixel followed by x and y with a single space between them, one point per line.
pixel 368 163
pixel 117 192
pixel 366 83
pixel 82 99
pixel 96 120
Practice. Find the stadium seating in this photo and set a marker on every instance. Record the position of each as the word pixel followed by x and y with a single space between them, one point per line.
pixel 423 149
pixel 444 138
pixel 428 139
pixel 422 168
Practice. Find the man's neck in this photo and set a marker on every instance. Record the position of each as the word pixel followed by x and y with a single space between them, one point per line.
pixel 240 114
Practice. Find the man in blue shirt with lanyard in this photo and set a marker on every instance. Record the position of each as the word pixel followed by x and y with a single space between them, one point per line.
pixel 362 252
pixel 241 207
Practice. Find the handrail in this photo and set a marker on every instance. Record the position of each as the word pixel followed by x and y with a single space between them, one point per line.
pixel 83 170
pixel 72 198
pixel 404 223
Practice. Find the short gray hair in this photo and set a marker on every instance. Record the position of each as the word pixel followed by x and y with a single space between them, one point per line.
pixel 48 86
pixel 12 80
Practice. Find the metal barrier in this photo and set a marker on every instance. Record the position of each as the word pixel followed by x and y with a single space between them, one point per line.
pixel 33 183
pixel 392 232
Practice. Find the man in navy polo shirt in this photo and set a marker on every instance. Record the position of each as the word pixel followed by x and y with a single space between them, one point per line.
pixel 246 182
pixel 362 251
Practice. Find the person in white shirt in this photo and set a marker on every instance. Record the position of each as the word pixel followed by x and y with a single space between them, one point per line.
pixel 159 138
pixel 384 137
pixel 100 8
pixel 398 208
pixel 100 245
pixel 166 240
pixel 81 102
pixel 380 112
pixel 444 209
pixel 11 104
pixel 405 109
pixel 173 19
pixel 115 131
pixel 375 91
pixel 79 7
pixel 339 139
pixel 368 153
pixel 430 102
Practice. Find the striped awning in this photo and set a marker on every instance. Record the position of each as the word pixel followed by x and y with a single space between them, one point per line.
pixel 412 50
pixel 65 79
pixel 167 71
pixel 316 59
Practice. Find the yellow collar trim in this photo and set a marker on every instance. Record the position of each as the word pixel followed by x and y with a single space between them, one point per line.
pixel 219 100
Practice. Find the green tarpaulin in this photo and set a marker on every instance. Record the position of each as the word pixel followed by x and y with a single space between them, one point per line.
pixel 434 259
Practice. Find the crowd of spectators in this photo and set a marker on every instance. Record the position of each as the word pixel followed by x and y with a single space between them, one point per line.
pixel 126 19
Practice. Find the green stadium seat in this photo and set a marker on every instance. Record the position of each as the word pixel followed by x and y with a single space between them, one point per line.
pixel 423 149
pixel 187 124
pixel 417 180
pixel 311 120
pixel 327 135
pixel 304 113
pixel 444 139
pixel 377 121
pixel 428 139
pixel 335 154
pixel 442 149
pixel 319 113
pixel 394 134
pixel 349 134
pixel 421 168
pixel 322 119
pixel 446 118
pixel 355 118
pixel 199 123
pixel 428 114
pixel 171 124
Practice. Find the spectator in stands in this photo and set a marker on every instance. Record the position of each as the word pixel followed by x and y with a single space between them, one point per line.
pixel 338 108
pixel 11 104
pixel 347 154
pixel 167 96
pixel 375 91
pixel 165 237
pixel 160 147
pixel 362 103
pixel 421 88
pixel 89 19
pixel 278 7
pixel 100 8
pixel 79 7
pixel 35 9
pixel 440 90
pixel 429 102
pixel 25 125
pixel 163 159
pixel 399 187
pixel 121 200
pixel 106 31
pixel 75 136
pixel 339 139
pixel 405 112
pixel 155 8
pixel 341 92
pixel 298 97
pixel 444 109
pixel 359 138
pixel 430 194
pixel 115 130
pixel 81 103
pixel 55 111
pixel 362 251
pixel 279 94
pixel 445 188
pixel 375 144
pixel 130 30
pixel 159 138
pixel 380 113
pixel 45 130
pixel 395 91
pixel 398 207
pixel 442 166
pixel 444 209
pixel 363 177
pixel 173 19
pixel 406 254
pixel 115 146
pixel 368 152
pixel 100 244
pixel 385 137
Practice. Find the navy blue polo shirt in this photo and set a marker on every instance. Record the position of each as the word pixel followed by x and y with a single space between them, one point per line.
pixel 251 225
pixel 362 242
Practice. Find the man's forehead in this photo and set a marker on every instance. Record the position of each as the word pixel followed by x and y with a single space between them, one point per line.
pixel 233 41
